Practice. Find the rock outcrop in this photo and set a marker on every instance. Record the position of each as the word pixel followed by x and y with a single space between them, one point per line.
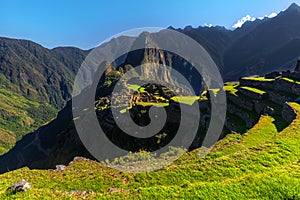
pixel 20 186
pixel 288 113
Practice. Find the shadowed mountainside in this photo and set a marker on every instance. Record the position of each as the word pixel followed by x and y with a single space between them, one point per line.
pixel 248 99
pixel 44 77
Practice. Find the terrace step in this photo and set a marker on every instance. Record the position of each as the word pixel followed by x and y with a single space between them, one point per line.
pixel 263 106
pixel 280 97
pixel 291 75
pixel 249 117
pixel 287 85
pixel 241 101
pixel 267 107
pixel 235 123
pixel 257 82
pixel 253 93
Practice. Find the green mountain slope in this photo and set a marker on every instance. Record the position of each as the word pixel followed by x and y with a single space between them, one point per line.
pixel 19 115
pixel 39 73
pixel 261 164
pixel 34 83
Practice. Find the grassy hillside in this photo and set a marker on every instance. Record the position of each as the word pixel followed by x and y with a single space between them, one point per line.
pixel 19 115
pixel 261 164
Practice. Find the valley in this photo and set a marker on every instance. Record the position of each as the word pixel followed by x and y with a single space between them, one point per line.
pixel 256 154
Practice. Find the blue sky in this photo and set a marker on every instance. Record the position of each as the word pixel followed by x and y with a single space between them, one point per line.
pixel 86 23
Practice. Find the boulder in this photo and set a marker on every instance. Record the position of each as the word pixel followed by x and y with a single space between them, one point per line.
pixel 20 186
pixel 60 168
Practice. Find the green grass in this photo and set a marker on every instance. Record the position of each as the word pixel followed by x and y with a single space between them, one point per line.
pixel 231 87
pixel 262 79
pixel 146 104
pixel 290 80
pixel 255 90
pixel 136 88
pixel 7 140
pixel 261 164
pixel 190 100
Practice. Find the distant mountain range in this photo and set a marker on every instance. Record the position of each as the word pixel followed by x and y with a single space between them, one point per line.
pixel 257 47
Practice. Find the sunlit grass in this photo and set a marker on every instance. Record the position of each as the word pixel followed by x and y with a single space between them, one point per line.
pixel 190 100
pixel 136 88
pixel 255 90
pixel 145 104
pixel 231 87
pixel 261 164
pixel 263 79
pixel 290 80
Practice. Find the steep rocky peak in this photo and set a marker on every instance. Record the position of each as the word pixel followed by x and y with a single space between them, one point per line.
pixel 294 7
pixel 145 39
pixel 292 10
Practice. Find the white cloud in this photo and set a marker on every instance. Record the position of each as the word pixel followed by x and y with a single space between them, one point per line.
pixel 243 20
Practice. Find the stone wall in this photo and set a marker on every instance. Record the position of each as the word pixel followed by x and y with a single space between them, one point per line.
pixel 241 102
pixel 232 109
pixel 288 113
pixel 253 95
pixel 257 84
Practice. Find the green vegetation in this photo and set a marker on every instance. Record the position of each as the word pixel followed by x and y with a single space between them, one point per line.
pixel 190 100
pixel 7 140
pixel 231 87
pixel 290 80
pixel 136 88
pixel 144 161
pixel 261 164
pixel 20 115
pixel 113 76
pixel 255 90
pixel 146 104
pixel 263 79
